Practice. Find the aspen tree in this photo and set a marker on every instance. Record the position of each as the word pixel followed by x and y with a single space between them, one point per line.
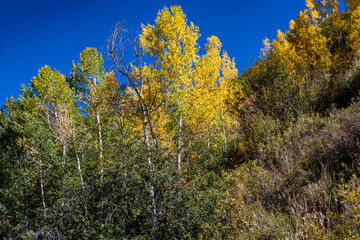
pixel 48 105
pixel 90 72
pixel 354 35
pixel 310 44
pixel 57 104
pixel 195 87
pixel 172 46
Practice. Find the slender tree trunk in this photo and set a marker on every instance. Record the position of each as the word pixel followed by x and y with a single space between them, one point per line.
pixel 100 144
pixel 64 171
pixel 122 133
pixel 101 156
pixel 340 39
pixel 179 146
pixel 79 169
pixel 151 188
pixel 42 188
pixel 64 153
pixel 79 165
pixel 223 127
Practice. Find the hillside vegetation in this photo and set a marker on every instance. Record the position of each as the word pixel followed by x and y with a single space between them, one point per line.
pixel 175 143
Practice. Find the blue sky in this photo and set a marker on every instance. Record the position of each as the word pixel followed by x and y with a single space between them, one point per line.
pixel 35 33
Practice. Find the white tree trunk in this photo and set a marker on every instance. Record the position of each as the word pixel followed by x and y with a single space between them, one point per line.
pixel 100 144
pixel 79 169
pixel 64 170
pixel 79 165
pixel 42 188
pixel 151 188
pixel 101 156
pixel 64 153
pixel 179 146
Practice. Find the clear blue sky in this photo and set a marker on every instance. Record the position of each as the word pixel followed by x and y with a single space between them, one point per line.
pixel 35 33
